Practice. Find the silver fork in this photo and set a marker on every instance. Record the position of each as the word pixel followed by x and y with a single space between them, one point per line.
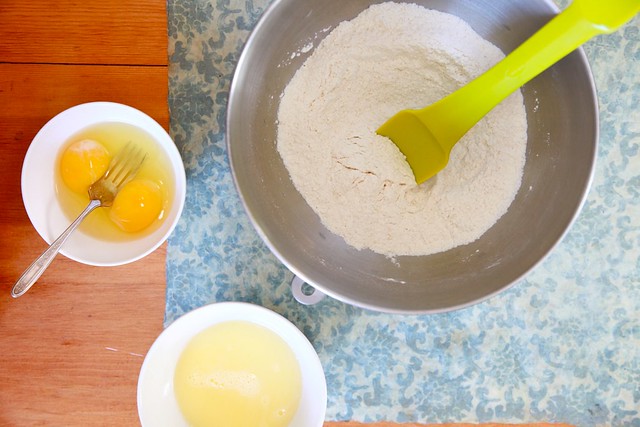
pixel 122 168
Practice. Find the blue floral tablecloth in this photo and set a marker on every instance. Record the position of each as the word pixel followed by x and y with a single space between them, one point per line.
pixel 561 345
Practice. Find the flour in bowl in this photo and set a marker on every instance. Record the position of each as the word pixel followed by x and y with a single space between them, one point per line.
pixel 392 57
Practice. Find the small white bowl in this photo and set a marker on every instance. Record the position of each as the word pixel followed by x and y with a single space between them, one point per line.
pixel 157 406
pixel 43 207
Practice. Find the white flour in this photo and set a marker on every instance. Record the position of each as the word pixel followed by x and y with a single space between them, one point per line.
pixel 389 58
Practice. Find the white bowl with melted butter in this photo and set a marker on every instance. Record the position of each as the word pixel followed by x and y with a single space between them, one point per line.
pixel 232 364
pixel 52 204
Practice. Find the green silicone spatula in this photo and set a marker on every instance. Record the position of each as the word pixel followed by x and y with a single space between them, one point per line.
pixel 426 136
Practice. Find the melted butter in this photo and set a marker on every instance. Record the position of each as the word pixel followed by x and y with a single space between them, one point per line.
pixel 237 374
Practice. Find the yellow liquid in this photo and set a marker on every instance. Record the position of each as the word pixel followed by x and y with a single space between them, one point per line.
pixel 156 167
pixel 237 374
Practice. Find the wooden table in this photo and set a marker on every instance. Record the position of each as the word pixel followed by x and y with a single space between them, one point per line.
pixel 72 347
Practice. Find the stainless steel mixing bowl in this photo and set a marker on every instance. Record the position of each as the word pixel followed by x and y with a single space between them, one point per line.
pixel 563 131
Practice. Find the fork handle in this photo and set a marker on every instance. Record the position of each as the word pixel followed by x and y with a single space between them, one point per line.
pixel 35 270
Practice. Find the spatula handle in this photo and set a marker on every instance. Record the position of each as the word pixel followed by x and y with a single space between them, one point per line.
pixel 460 111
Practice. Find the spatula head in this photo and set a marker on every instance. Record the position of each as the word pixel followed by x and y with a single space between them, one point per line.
pixel 423 152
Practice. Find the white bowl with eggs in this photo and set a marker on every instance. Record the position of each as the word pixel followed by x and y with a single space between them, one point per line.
pixel 158 400
pixel 52 205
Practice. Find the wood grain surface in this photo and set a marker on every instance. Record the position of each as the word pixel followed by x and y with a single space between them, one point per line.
pixel 84 32
pixel 72 347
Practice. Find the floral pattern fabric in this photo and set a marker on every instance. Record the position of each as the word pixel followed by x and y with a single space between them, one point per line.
pixel 562 345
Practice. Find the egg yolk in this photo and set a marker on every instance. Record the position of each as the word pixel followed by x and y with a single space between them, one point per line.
pixel 83 163
pixel 137 205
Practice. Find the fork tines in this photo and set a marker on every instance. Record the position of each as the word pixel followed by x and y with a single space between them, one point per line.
pixel 125 164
